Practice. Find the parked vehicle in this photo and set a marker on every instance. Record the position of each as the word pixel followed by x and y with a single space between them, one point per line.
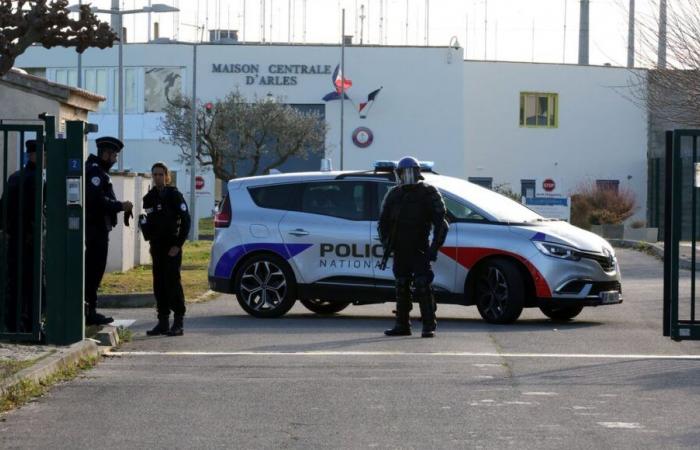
pixel 313 237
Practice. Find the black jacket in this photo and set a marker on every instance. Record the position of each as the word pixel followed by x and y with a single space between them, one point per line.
pixel 27 181
pixel 412 210
pixel 101 205
pixel 166 219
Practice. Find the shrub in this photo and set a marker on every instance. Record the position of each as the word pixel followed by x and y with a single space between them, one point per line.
pixel 504 189
pixel 591 205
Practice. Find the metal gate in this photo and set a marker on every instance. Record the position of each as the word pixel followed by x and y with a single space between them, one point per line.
pixel 22 246
pixel 682 225
pixel 42 236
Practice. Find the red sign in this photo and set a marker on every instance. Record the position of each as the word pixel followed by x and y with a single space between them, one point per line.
pixel 198 182
pixel 548 185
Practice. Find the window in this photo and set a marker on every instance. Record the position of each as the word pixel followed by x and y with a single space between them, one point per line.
pixel 344 199
pixel 460 211
pixel 382 190
pixel 539 110
pixel 608 185
pixel 95 80
pixel 280 196
pixel 160 85
pixel 527 188
pixel 486 182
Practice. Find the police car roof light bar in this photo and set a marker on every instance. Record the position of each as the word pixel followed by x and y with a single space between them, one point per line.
pixel 390 166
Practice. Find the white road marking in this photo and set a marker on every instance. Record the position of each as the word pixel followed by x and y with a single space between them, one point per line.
pixel 625 425
pixel 398 353
pixel 544 394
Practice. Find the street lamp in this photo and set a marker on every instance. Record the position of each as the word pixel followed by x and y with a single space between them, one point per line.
pixel 155 8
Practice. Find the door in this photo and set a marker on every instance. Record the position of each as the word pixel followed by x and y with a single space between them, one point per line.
pixel 334 222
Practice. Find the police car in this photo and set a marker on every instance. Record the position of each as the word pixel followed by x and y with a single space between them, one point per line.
pixel 313 237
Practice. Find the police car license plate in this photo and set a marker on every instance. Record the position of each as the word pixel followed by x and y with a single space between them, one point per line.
pixel 609 297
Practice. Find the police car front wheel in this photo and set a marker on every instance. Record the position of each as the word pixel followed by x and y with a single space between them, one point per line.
pixel 324 307
pixel 265 286
pixel 500 291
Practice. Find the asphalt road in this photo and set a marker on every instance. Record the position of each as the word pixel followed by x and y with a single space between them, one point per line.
pixel 609 379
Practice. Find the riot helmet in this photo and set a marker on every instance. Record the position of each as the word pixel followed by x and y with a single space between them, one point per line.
pixel 408 171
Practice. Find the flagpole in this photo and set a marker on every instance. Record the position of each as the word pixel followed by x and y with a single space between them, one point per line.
pixel 342 85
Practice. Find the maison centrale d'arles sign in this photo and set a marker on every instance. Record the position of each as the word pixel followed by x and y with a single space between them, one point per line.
pixel 272 74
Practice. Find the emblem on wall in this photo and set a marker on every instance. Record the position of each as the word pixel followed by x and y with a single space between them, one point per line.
pixel 362 137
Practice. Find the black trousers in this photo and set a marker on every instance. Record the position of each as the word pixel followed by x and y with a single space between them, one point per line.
pixel 167 287
pixel 19 295
pixel 96 246
pixel 412 263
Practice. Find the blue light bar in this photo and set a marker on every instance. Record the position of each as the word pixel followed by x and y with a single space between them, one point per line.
pixel 385 166
pixel 426 166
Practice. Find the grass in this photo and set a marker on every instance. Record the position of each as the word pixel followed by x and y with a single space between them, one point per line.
pixel 206 226
pixel 125 334
pixel 11 367
pixel 195 261
pixel 25 390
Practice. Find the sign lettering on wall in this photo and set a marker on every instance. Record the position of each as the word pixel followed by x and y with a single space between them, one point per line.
pixel 272 74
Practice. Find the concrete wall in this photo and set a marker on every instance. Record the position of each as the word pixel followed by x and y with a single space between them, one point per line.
pixel 602 132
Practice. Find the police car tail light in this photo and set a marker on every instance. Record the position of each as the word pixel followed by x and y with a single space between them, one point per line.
pixel 222 218
pixel 558 250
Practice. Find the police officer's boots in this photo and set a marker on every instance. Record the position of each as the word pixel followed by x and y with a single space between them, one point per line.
pixel 427 312
pixel 403 310
pixel 162 327
pixel 92 317
pixel 177 328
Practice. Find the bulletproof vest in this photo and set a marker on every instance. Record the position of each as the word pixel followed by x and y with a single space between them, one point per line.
pixel 413 229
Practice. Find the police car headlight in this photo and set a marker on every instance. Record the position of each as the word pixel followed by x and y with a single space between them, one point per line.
pixel 558 250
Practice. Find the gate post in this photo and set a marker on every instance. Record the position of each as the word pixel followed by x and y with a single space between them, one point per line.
pixel 65 237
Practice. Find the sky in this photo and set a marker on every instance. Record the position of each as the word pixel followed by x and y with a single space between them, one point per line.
pixel 507 30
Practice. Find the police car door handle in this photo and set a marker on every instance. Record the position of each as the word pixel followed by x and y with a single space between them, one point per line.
pixel 299 232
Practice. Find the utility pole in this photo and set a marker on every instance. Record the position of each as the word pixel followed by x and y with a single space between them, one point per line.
pixel 486 28
pixel 342 86
pixel 362 22
pixel 262 20
pixel 193 158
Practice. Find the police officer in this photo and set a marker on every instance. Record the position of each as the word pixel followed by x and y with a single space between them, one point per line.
pixel 21 295
pixel 165 224
pixel 101 208
pixel 408 212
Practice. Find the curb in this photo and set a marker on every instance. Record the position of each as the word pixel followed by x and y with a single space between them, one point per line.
pixel 652 249
pixel 142 300
pixel 65 356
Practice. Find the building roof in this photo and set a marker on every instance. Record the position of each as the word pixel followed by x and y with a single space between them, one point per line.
pixel 42 86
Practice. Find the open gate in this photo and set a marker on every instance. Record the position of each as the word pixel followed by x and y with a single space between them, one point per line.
pixel 682 225
pixel 42 236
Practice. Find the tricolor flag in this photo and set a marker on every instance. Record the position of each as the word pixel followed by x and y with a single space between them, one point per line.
pixel 339 81
pixel 366 106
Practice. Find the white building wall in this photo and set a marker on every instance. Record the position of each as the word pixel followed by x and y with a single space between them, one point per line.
pixel 602 132
pixel 419 110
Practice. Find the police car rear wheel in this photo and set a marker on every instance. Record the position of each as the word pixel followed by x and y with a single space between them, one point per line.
pixel 500 292
pixel 265 286
pixel 324 307
pixel 561 313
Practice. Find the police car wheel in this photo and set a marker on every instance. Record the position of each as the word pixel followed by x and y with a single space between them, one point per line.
pixel 500 291
pixel 561 313
pixel 324 307
pixel 265 286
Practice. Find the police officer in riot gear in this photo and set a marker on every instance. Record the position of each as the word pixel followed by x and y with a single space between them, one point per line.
pixel 408 212
pixel 165 225
pixel 101 208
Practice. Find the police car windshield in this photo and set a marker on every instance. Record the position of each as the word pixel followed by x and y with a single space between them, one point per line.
pixel 499 207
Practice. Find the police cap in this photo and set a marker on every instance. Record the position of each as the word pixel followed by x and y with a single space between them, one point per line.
pixel 109 143
pixel 30 146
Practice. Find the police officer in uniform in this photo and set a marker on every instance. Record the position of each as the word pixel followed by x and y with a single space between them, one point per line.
pixel 408 212
pixel 165 225
pixel 21 295
pixel 101 208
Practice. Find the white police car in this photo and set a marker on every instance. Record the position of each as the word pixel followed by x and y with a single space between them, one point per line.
pixel 313 237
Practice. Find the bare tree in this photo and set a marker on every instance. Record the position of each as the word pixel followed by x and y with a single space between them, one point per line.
pixel 26 22
pixel 671 88
pixel 264 134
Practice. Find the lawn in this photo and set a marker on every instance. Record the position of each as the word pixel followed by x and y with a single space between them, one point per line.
pixel 206 226
pixel 139 279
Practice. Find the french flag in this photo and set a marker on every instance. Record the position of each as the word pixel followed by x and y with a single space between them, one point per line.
pixel 341 84
pixel 368 104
